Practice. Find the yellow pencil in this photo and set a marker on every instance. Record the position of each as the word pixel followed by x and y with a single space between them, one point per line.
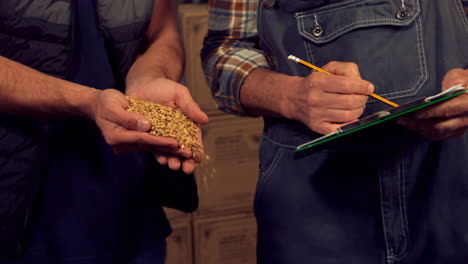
pixel 303 62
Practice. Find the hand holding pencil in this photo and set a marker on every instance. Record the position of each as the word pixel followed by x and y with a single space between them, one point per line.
pixel 303 62
pixel 325 102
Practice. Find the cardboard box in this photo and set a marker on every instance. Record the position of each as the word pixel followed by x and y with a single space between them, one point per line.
pixel 194 22
pixel 227 180
pixel 176 215
pixel 226 240
pixel 179 244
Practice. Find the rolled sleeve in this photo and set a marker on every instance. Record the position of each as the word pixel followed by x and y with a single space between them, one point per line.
pixel 231 51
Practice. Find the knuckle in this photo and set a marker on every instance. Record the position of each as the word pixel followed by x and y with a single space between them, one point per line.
pixel 356 113
pixel 359 112
pixel 349 102
pixel 313 80
pixel 111 140
pixel 347 115
pixel 312 99
pixel 348 86
pixel 333 63
pixel 352 65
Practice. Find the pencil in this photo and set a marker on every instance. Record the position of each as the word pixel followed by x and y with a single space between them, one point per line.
pixel 303 62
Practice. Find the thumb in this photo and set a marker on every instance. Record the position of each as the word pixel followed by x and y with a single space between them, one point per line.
pixel 134 121
pixel 192 110
pixel 142 125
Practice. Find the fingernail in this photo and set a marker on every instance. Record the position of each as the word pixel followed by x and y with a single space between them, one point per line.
pixel 143 125
pixel 370 88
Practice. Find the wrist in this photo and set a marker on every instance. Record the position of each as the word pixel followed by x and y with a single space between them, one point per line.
pixel 133 85
pixel 288 87
pixel 88 102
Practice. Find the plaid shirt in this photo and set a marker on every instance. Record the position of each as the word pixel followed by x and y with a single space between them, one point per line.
pixel 231 50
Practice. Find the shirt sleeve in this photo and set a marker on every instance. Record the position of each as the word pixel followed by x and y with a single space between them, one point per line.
pixel 231 51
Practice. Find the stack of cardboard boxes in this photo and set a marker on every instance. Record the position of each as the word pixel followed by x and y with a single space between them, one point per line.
pixel 223 229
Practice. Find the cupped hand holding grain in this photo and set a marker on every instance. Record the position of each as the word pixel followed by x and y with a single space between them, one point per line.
pixel 126 131
pixel 173 113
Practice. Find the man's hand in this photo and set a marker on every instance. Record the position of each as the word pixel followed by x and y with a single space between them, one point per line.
pixel 447 119
pixel 169 93
pixel 154 75
pixel 127 131
pixel 326 102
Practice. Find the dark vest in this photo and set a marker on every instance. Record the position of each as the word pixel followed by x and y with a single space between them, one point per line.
pixel 38 34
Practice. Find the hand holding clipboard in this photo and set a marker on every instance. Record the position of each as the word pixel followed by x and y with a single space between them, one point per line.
pixel 386 115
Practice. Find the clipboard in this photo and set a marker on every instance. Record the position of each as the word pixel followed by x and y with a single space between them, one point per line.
pixel 385 115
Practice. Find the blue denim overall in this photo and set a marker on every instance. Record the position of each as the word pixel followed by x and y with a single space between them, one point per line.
pixel 389 195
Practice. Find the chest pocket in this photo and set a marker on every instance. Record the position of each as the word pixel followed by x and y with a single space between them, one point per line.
pixel 384 37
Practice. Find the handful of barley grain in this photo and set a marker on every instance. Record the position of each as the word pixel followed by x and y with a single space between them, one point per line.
pixel 167 122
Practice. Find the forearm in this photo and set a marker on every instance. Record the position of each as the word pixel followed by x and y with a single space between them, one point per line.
pixel 164 57
pixel 263 93
pixel 27 92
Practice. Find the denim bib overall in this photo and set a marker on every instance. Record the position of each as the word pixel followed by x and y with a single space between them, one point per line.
pixel 387 197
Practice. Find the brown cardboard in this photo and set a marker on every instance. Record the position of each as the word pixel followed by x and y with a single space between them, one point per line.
pixel 179 244
pixel 226 240
pixel 227 181
pixel 176 215
pixel 194 23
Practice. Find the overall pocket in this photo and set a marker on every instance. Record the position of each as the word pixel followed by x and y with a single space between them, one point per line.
pixel 384 37
pixel 270 154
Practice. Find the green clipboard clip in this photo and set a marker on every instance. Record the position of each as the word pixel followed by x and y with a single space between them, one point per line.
pixel 385 115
